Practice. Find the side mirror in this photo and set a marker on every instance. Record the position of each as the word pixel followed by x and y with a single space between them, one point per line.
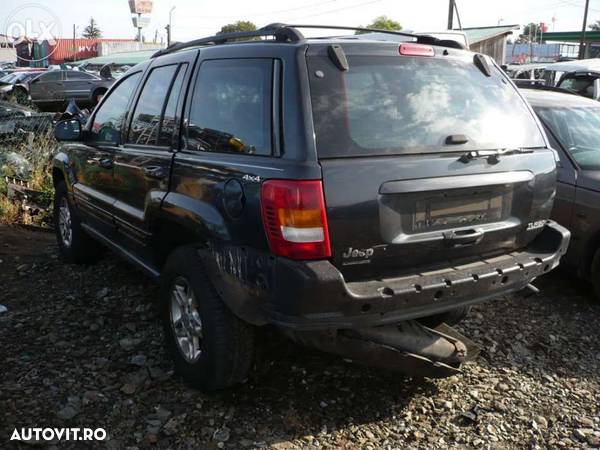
pixel 68 130
pixel 597 89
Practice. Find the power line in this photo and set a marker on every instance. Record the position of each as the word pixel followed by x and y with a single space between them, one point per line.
pixel 358 5
pixel 265 14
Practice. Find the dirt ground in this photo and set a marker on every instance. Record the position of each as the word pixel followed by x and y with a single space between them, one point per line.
pixel 82 346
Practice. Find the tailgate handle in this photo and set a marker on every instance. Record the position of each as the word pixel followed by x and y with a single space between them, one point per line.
pixel 463 237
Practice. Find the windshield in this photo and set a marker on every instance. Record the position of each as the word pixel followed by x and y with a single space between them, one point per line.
pixel 387 105
pixel 7 78
pixel 578 130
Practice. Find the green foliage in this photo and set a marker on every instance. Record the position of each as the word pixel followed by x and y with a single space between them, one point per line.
pixel 595 26
pixel 383 23
pixel 531 33
pixel 240 25
pixel 92 31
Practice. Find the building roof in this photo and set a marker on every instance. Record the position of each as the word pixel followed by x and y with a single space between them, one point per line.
pixel 478 34
pixel 125 58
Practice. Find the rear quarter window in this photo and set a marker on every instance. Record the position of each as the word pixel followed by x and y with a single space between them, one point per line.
pixel 387 105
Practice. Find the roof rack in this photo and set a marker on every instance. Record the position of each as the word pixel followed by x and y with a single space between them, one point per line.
pixel 285 33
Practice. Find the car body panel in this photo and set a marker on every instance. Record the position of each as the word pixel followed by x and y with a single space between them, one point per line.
pixel 578 192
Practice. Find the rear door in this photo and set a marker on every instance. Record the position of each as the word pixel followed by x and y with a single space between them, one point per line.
pixel 143 164
pixel 425 159
pixel 78 85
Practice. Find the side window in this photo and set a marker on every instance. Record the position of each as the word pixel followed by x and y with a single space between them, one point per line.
pixel 55 75
pixel 231 107
pixel 108 121
pixel 168 126
pixel 79 76
pixel 146 118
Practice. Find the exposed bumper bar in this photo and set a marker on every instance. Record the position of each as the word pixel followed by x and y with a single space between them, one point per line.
pixel 314 295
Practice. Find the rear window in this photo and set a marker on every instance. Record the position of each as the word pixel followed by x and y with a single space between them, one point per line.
pixel 391 105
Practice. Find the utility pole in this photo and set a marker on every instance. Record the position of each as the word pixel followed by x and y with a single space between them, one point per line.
pixel 582 41
pixel 450 14
pixel 168 27
pixel 74 46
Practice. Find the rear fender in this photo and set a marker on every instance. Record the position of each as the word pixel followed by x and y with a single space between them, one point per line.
pixel 236 271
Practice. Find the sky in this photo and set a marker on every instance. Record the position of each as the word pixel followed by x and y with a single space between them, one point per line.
pixel 196 18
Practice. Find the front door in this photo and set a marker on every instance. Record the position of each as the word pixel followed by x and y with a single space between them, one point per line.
pixel 47 87
pixel 93 159
pixel 143 164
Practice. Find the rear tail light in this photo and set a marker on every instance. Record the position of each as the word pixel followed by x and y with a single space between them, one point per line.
pixel 416 50
pixel 295 220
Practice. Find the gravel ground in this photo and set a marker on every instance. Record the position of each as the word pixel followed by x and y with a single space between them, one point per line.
pixel 82 346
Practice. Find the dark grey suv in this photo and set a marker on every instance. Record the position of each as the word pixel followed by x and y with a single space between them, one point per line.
pixel 57 87
pixel 573 126
pixel 344 191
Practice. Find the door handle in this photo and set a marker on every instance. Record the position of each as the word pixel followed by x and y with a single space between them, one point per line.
pixel 463 237
pixel 106 163
pixel 156 172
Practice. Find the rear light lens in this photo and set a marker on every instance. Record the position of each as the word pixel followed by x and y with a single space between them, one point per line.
pixel 295 219
pixel 416 50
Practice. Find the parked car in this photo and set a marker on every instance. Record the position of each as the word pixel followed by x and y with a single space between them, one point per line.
pixel 56 87
pixel 9 115
pixel 346 191
pixel 584 83
pixel 573 127
pixel 16 85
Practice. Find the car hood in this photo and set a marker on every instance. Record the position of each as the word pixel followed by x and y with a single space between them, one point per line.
pixel 589 179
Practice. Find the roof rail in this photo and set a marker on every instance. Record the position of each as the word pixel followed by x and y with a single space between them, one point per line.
pixel 281 33
pixel 289 33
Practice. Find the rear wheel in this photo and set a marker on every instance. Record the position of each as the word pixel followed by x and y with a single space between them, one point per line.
pixel 452 317
pixel 74 245
pixel 596 274
pixel 211 348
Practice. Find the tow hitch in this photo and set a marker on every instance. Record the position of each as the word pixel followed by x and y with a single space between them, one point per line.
pixel 407 347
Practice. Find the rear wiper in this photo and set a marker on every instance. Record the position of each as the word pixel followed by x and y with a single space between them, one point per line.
pixel 493 156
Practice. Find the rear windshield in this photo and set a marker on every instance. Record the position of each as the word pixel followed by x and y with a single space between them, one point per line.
pixel 390 105
pixel 577 130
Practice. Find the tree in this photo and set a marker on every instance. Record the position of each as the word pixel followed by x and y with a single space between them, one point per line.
pixel 383 23
pixel 531 32
pixel 92 31
pixel 595 26
pixel 240 25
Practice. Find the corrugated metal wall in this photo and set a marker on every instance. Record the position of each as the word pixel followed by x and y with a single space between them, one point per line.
pixel 77 49
pixel 106 48
pixel 494 47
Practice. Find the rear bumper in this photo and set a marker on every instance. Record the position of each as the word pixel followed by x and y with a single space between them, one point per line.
pixel 314 295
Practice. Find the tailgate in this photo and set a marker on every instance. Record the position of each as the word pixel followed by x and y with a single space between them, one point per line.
pixel 382 221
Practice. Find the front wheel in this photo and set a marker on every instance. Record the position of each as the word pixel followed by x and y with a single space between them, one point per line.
pixel 211 348
pixel 74 245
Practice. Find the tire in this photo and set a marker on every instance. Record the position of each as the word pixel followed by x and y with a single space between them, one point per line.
pixel 212 349
pixel 452 317
pixel 74 245
pixel 595 272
